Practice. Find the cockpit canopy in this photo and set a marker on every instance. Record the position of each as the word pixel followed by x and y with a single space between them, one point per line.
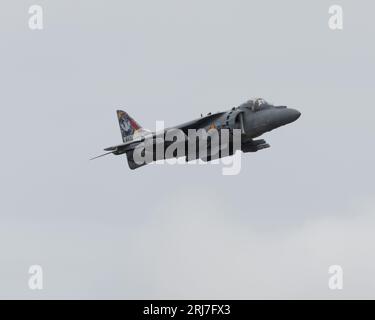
pixel 255 104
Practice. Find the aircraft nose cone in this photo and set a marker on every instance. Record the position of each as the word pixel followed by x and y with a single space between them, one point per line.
pixel 286 116
pixel 293 115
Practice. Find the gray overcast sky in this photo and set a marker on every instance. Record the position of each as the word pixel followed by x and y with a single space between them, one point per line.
pixel 100 230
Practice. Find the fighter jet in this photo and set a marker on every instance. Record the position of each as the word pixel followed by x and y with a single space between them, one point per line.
pixel 252 118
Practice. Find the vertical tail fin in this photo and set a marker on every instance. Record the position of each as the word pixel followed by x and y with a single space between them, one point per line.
pixel 128 125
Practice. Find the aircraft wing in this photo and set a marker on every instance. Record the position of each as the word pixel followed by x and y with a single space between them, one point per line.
pixel 131 145
pixel 199 123
pixel 194 124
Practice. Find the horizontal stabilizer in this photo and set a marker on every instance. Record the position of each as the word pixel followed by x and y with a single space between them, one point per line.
pixel 102 155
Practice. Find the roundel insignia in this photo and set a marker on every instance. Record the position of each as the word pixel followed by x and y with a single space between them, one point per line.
pixel 212 126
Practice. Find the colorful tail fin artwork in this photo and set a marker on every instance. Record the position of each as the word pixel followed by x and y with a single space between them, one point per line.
pixel 128 125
